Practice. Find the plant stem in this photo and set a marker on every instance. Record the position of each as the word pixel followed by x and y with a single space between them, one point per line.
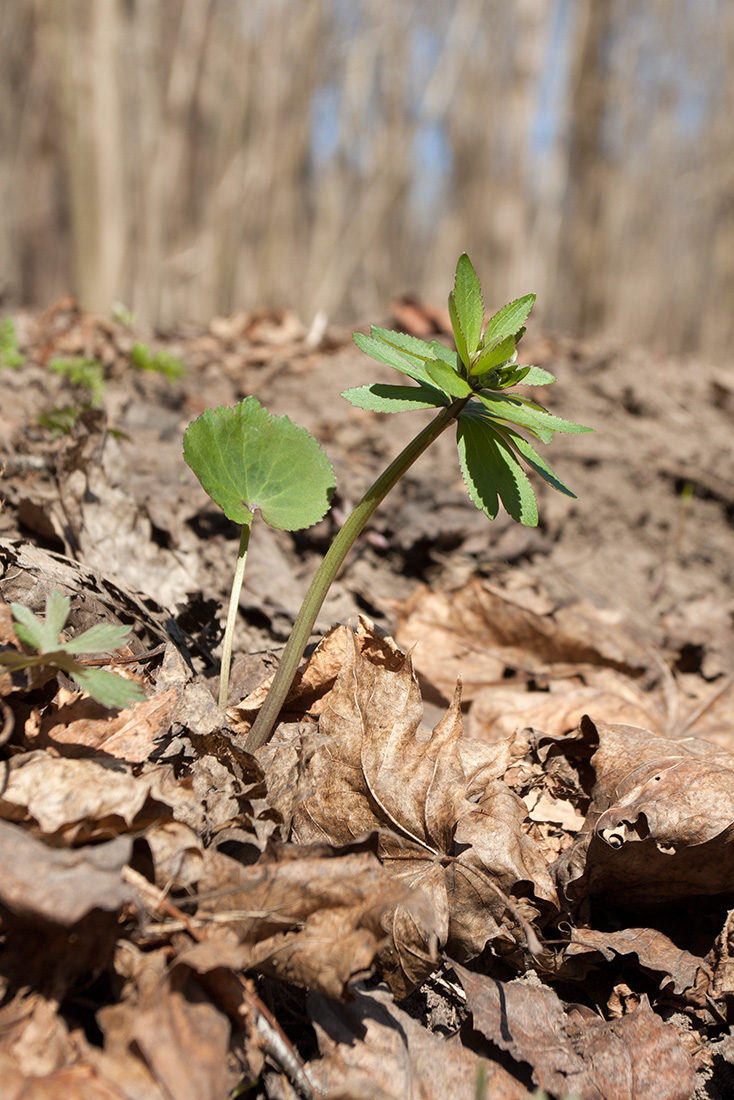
pixel 263 725
pixel 234 602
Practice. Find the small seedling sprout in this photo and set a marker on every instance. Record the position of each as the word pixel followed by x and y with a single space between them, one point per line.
pixel 43 635
pixel 470 387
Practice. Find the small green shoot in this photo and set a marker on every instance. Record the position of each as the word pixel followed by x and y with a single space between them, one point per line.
pixel 83 372
pixel 43 635
pixel 247 459
pixel 142 358
pixel 10 356
pixel 123 314
pixel 470 387
pixel 61 420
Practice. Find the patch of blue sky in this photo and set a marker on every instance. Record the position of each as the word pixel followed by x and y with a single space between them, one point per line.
pixel 549 117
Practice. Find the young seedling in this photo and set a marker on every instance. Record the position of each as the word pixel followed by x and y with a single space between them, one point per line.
pixel 247 459
pixel 470 386
pixel 43 635
pixel 10 355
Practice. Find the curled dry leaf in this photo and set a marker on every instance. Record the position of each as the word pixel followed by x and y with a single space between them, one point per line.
pixel 680 972
pixel 371 1049
pixel 572 1051
pixel 660 819
pixel 74 800
pixel 377 769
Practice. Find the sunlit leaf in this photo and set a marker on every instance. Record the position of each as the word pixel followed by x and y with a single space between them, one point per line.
pixel 459 337
pixel 533 459
pixel 497 355
pixel 527 414
pixel 536 376
pixel 446 377
pixel 384 352
pixel 42 634
pixel 107 688
pixel 245 458
pixel 508 320
pixel 469 304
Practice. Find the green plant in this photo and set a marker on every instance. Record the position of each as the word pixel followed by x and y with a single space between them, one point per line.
pixel 10 356
pixel 247 459
pixel 43 635
pixel 84 372
pixel 470 387
pixel 142 358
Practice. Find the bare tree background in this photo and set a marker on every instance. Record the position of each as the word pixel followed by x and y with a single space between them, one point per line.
pixel 193 157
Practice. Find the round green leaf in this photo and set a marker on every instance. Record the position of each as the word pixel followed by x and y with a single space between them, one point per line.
pixel 247 458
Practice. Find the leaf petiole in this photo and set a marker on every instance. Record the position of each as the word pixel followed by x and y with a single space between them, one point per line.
pixel 234 603
pixel 353 526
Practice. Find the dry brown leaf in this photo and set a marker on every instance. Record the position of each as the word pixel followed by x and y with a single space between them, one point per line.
pixel 660 818
pixel 77 1082
pixel 497 711
pixel 126 735
pixel 185 1041
pixel 314 918
pixel 655 952
pixel 59 886
pixel 50 898
pixel 571 1050
pixel 377 769
pixel 316 678
pixel 480 630
pixel 371 1050
pixel 81 799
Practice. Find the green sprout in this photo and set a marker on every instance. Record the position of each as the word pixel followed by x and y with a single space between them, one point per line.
pixel 471 388
pixel 83 372
pixel 142 358
pixel 247 459
pixel 43 636
pixel 10 356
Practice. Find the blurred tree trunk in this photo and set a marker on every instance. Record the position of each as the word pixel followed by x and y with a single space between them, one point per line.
pixel 583 240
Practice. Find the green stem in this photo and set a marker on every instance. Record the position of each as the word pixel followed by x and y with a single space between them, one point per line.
pixel 263 725
pixel 234 603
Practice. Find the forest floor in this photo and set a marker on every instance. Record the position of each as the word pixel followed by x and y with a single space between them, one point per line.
pixel 525 898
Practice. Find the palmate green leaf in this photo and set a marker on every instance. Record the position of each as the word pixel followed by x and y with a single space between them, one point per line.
pixel 42 634
pixel 107 688
pixel 445 376
pixel 100 638
pixel 245 458
pixel 508 320
pixel 469 304
pixel 380 397
pixel 492 472
pixel 385 352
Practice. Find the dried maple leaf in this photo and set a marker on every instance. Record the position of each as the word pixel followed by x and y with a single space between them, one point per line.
pixel 660 818
pixel 312 916
pixel 377 769
pixel 571 1050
